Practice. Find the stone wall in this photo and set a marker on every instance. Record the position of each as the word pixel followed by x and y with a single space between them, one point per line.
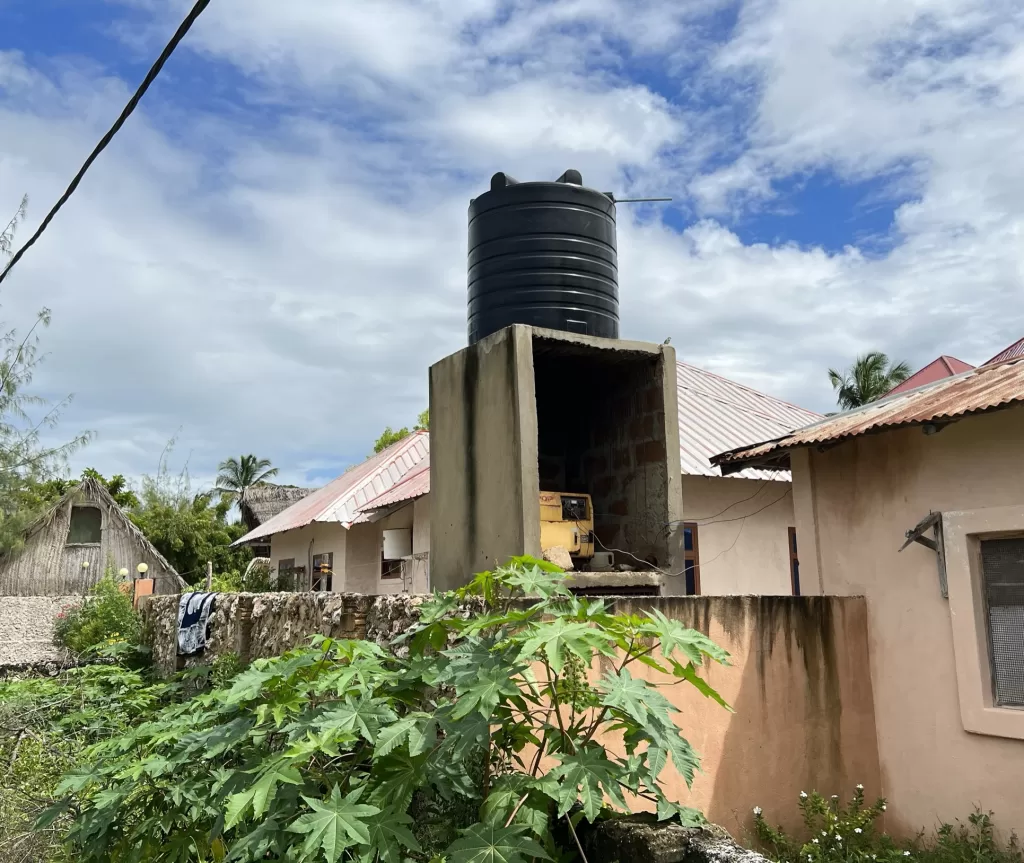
pixel 26 630
pixel 798 682
pixel 254 625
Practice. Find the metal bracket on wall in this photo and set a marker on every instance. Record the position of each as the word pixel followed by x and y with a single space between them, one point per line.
pixel 933 522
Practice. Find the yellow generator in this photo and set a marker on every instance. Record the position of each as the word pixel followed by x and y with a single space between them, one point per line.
pixel 567 521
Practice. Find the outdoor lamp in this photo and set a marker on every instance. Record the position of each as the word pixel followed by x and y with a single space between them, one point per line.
pixel 85 564
pixel 123 572
pixel 143 568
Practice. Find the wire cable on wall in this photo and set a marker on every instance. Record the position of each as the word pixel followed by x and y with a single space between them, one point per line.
pixel 179 34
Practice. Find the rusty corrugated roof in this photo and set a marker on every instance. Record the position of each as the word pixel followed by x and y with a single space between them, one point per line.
pixel 987 388
pixel 341 500
pixel 717 414
pixel 415 484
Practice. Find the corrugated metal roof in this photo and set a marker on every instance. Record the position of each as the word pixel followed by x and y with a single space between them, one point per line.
pixel 987 388
pixel 716 414
pixel 1011 353
pixel 414 485
pixel 936 370
pixel 342 499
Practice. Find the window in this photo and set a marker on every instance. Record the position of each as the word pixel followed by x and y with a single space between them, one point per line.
pixel 1002 569
pixel 289 576
pixel 390 568
pixel 86 526
pixel 323 571
pixel 691 558
pixel 794 563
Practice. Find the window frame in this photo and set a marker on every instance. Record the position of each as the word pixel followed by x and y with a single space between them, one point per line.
pixel 963 532
pixel 71 519
pixel 794 561
pixel 318 578
pixel 693 554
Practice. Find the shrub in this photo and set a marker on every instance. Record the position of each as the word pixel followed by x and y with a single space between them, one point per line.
pixel 105 618
pixel 328 752
pixel 849 834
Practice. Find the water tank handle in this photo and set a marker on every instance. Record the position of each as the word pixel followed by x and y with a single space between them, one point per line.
pixel 571 176
pixel 501 180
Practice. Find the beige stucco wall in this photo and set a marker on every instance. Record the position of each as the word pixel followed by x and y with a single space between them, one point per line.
pixel 743 545
pixel 421 525
pixel 853 504
pixel 316 538
pixel 801 695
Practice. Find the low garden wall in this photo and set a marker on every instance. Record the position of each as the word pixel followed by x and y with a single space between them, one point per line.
pixel 26 631
pixel 798 683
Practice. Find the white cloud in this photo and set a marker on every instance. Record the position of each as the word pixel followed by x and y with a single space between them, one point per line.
pixel 277 280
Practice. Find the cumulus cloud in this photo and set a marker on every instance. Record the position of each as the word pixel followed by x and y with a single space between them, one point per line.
pixel 277 277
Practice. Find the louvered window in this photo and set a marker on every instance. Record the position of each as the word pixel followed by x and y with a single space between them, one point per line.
pixel 1002 563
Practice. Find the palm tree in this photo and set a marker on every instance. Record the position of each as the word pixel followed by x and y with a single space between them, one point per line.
pixel 235 476
pixel 869 378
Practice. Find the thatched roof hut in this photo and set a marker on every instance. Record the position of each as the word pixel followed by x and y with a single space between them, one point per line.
pixel 262 502
pixel 68 548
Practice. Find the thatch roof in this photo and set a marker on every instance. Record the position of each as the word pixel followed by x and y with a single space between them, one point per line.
pixel 92 489
pixel 262 502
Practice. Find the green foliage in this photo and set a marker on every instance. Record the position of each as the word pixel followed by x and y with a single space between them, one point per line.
pixel 49 492
pixel 838 834
pixel 236 475
pixel 189 529
pixel 26 461
pixel 869 378
pixel 106 617
pixel 391 436
pixel 45 725
pixel 344 751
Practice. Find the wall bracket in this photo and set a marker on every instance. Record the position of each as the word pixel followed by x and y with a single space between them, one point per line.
pixel 932 522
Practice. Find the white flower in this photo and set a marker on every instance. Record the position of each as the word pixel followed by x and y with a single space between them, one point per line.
pixel 839 838
pixel 803 795
pixel 856 830
pixel 823 833
pixel 860 787
pixel 815 841
pixel 906 853
pixel 883 807
pixel 757 810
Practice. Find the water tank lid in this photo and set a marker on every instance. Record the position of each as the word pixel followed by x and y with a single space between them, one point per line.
pixel 571 176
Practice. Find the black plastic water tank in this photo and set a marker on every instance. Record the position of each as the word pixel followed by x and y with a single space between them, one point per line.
pixel 543 254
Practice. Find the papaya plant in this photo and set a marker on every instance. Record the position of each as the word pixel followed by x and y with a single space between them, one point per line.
pixel 342 750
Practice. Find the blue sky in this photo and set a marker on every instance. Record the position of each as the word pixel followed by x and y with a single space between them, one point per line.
pixel 273 250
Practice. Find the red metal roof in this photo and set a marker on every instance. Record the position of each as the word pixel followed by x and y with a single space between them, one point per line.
pixel 1011 353
pixel 943 367
pixel 987 388
pixel 342 500
pixel 415 484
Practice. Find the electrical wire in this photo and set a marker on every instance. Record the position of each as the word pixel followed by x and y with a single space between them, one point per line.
pixel 179 34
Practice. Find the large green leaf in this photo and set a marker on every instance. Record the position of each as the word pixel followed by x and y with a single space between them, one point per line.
pixel 260 794
pixel 363 716
pixel 585 777
pixel 517 790
pixel 334 824
pixel 389 834
pixel 559 637
pixel 635 698
pixel 534 581
pixel 674 637
pixel 483 693
pixel 490 843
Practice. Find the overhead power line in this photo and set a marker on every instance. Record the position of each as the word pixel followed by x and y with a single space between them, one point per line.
pixel 179 34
